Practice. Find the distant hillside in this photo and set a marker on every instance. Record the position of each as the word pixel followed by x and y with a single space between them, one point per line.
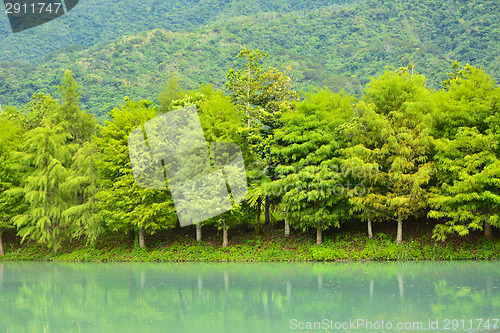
pixel 335 46
pixel 92 22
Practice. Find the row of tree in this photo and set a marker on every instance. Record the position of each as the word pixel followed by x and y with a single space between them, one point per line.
pixel 400 151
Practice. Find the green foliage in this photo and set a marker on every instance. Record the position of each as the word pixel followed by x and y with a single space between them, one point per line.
pixel 92 30
pixel 78 123
pixel 81 187
pixel 263 95
pixel 469 100
pixel 322 161
pixel 44 156
pixel 467 154
pixel 394 140
pixel 220 118
pixel 308 144
pixel 173 91
pixel 10 140
pixel 221 121
pixel 122 205
pixel 468 195
pixel 342 248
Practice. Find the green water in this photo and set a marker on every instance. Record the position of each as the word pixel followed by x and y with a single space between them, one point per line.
pixel 185 297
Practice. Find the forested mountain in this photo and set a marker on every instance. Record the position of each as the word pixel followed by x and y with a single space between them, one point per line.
pixel 338 46
pixel 93 22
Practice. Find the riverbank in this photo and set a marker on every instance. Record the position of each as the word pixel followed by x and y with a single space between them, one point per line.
pixel 271 247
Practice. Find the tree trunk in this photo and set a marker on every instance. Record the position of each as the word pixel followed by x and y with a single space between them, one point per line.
pixel 1 245
pixel 287 227
pixel 268 209
pixel 370 232
pixel 319 237
pixel 487 230
pixel 259 212
pixel 225 241
pixel 141 238
pixel 198 232
pixel 399 236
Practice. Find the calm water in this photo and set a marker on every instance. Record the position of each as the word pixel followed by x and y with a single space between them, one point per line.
pixel 184 297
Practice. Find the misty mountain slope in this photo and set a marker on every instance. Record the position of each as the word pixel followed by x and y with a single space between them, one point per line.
pixel 92 22
pixel 340 47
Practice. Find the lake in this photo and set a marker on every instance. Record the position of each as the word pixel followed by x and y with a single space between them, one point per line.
pixel 236 297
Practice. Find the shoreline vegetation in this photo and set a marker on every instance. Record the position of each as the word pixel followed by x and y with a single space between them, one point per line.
pixel 245 246
pixel 422 165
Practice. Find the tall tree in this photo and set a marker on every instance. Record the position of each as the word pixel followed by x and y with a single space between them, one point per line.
pixel 122 204
pixel 81 187
pixel 396 143
pixel 10 140
pixel 77 122
pixel 308 146
pixel 44 154
pixel 246 83
pixel 468 195
pixel 467 140
pixel 221 121
pixel 263 95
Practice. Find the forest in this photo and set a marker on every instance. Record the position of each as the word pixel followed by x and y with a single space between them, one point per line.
pixel 400 154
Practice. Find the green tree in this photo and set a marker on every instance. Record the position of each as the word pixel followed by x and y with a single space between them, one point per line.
pixel 44 155
pixel 308 146
pixel 33 114
pixel 77 122
pixel 37 109
pixel 247 82
pixel 469 100
pixel 10 140
pixel 396 143
pixel 221 121
pixel 172 92
pixel 81 187
pixel 468 195
pixel 263 95
pixel 122 204
pixel 467 138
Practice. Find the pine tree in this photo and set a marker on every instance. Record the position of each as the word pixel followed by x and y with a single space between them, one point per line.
pixel 10 140
pixel 468 196
pixel 45 153
pixel 263 96
pixel 122 204
pixel 314 192
pixel 393 138
pixel 81 188
pixel 467 139
pixel 77 122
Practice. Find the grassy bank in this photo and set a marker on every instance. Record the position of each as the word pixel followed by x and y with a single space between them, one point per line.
pixel 272 247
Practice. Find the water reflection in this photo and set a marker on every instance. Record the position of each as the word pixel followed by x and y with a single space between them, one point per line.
pixel 239 297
